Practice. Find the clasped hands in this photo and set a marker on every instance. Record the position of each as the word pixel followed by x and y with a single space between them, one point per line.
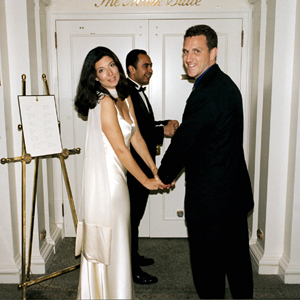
pixel 155 183
pixel 163 186
pixel 170 128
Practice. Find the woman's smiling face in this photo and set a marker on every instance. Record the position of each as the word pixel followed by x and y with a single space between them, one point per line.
pixel 107 73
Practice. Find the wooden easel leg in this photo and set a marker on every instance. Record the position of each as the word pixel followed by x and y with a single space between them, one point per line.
pixel 36 168
pixel 64 169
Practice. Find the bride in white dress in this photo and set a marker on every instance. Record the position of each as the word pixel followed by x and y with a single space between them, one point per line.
pixel 103 232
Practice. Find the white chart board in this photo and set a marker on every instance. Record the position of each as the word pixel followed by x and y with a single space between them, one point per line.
pixel 40 125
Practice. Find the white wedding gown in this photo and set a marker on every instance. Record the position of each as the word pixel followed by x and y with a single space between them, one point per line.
pixel 105 271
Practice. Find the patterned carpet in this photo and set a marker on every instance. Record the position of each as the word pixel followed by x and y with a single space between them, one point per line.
pixel 171 267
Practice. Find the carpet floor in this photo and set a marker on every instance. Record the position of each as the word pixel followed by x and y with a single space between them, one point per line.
pixel 172 267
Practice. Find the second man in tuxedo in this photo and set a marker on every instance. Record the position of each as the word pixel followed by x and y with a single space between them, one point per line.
pixel 139 70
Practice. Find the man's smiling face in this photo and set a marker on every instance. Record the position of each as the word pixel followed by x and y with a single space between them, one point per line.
pixel 143 71
pixel 196 56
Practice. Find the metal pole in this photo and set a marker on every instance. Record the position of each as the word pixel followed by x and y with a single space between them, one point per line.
pixel 36 168
pixel 23 202
pixel 64 169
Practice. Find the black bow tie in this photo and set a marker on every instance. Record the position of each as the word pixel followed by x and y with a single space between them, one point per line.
pixel 141 89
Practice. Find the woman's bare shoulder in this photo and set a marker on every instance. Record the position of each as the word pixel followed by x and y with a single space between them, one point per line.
pixel 106 101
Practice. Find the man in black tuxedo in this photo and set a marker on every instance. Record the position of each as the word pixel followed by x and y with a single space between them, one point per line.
pixel 209 144
pixel 139 70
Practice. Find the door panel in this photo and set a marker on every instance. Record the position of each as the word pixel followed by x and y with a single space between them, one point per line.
pixel 168 94
pixel 74 40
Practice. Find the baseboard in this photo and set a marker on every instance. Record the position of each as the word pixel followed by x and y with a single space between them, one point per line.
pixel 56 235
pixel 256 255
pixel 265 265
pixel 42 261
pixel 289 274
pixel 11 272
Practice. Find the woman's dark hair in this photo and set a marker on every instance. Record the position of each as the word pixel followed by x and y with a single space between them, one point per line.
pixel 208 32
pixel 88 88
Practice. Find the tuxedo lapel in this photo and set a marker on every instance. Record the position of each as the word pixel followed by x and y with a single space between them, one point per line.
pixel 137 100
pixel 150 111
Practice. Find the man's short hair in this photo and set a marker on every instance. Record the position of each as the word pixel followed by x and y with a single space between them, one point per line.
pixel 208 32
pixel 132 58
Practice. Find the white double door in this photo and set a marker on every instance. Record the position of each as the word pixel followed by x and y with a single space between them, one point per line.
pixel 168 91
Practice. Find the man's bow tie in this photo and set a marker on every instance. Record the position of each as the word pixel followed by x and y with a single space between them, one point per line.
pixel 141 89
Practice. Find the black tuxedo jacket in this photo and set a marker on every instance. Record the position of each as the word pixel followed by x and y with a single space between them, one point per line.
pixel 209 144
pixel 151 130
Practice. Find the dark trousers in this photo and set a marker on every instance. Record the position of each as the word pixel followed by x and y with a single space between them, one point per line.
pixel 219 248
pixel 138 201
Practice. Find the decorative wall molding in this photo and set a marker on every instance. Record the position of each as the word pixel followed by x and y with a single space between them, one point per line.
pixel 262 27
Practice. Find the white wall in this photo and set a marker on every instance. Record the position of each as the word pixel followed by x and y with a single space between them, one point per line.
pixel 11 139
pixel 278 194
pixel 264 15
pixel 289 266
pixel 9 225
pixel 20 54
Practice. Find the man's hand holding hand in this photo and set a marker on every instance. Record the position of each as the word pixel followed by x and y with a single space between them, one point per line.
pixel 170 128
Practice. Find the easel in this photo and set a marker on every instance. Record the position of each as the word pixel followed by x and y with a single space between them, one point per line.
pixel 26 159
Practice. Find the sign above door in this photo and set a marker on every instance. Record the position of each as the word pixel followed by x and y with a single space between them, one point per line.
pixel 171 3
pixel 98 6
